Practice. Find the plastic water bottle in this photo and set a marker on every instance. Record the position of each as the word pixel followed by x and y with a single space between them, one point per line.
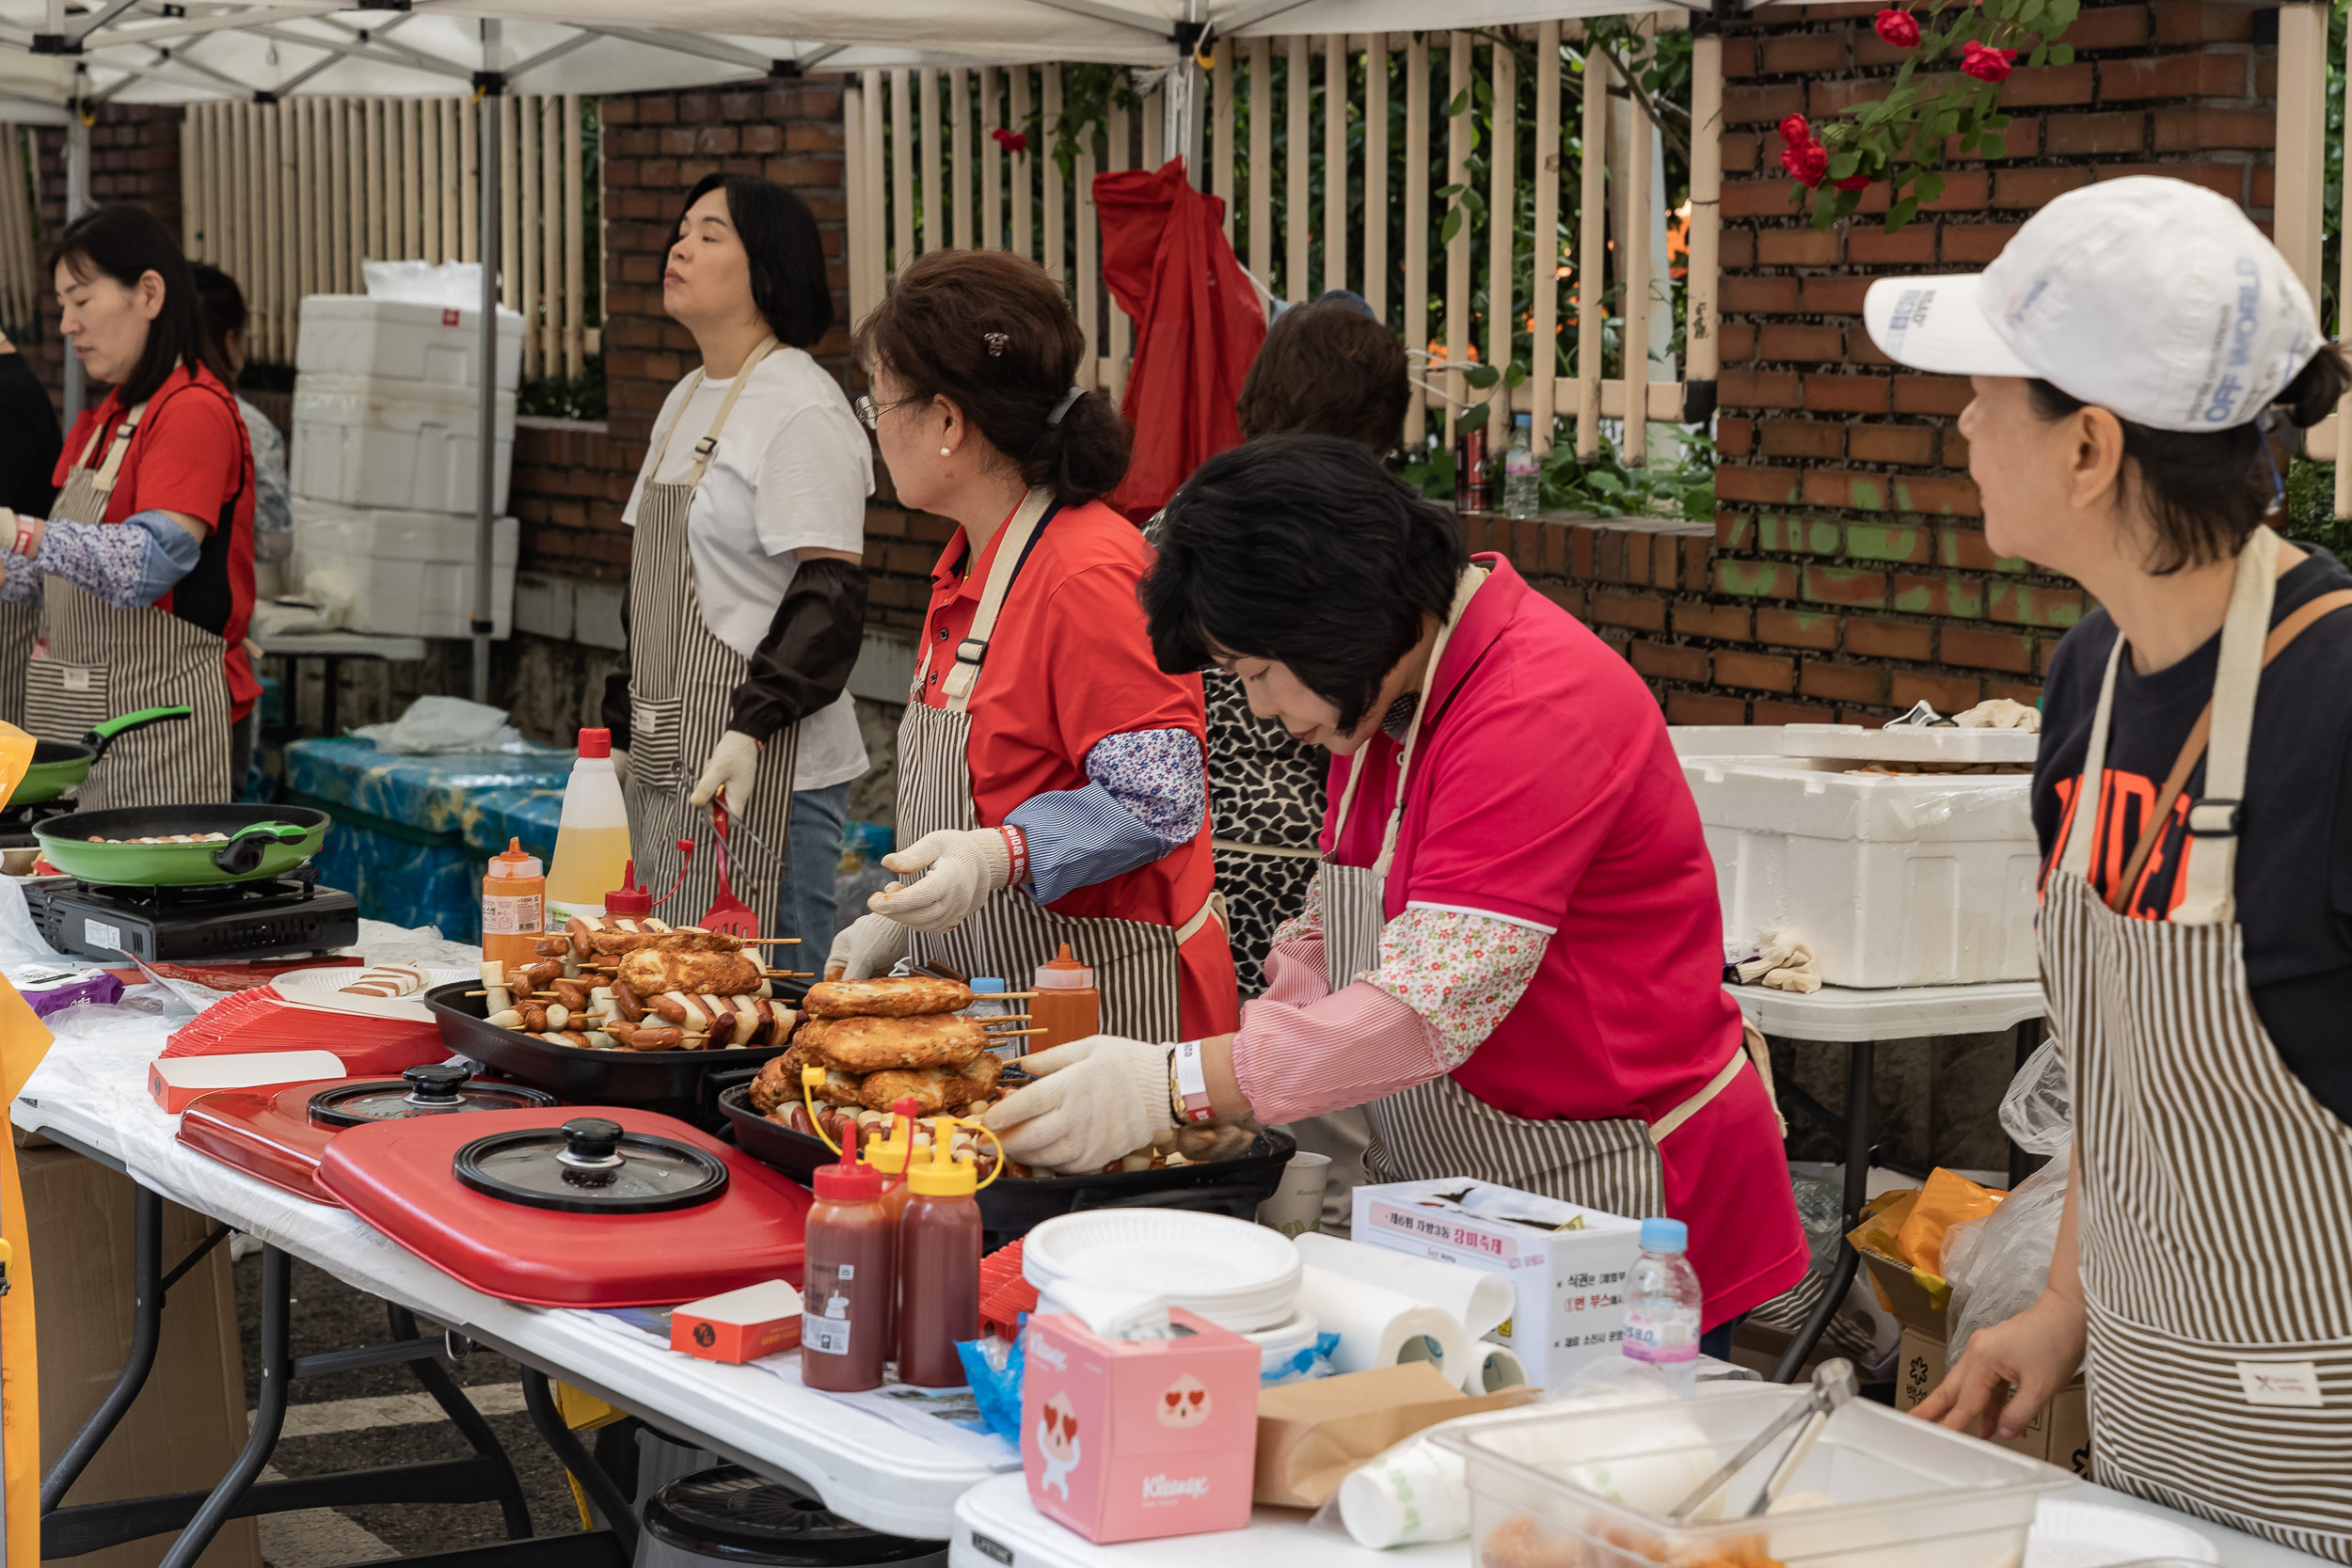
pixel 1661 1308
pixel 1521 498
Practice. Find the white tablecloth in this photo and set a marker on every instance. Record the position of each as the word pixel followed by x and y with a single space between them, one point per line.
pixel 91 1091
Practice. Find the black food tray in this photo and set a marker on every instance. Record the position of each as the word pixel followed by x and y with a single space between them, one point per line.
pixel 675 1083
pixel 1012 1206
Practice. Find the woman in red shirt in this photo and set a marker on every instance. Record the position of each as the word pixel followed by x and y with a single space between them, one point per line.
pixel 143 571
pixel 1513 957
pixel 1050 782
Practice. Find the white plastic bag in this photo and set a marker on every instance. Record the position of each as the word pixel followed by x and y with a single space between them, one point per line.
pixel 451 285
pixel 443 725
pixel 2039 1109
pixel 1999 1265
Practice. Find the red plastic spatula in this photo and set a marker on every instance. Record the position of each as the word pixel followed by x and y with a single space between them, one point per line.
pixel 730 916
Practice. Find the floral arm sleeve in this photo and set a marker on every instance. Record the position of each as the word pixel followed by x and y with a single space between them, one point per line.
pixel 1147 793
pixel 130 564
pixel 1446 978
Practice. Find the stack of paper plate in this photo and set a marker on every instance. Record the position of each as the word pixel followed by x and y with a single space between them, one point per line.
pixel 2068 1534
pixel 1237 1274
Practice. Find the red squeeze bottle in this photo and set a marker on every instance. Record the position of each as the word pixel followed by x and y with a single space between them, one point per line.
pixel 852 1273
pixel 939 1265
pixel 888 1156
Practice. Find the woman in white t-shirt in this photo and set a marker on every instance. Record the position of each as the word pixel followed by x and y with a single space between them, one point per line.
pixel 747 584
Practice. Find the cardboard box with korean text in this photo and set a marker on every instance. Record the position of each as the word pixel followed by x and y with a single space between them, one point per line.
pixel 1567 1264
pixel 1133 1439
pixel 2060 1432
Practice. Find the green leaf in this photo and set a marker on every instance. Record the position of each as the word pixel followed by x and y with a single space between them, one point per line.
pixel 1902 213
pixel 1516 375
pixel 2062 53
pixel 1796 194
pixel 2040 56
pixel 1451 226
pixel 1842 165
pixel 1473 417
pixel 1450 192
pixel 1461 102
pixel 1606 482
pixel 1476 203
pixel 1824 213
pixel 1929 188
pixel 1482 377
pixel 2027 12
pixel 1997 121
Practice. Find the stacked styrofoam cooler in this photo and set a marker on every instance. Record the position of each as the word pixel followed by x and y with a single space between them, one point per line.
pixel 386 463
pixel 1909 880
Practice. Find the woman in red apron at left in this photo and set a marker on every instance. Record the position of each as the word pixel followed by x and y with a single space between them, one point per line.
pixel 142 573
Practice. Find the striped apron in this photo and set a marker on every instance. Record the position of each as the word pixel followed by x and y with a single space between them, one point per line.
pixel 681 689
pixel 1436 1129
pixel 94 662
pixel 2215 1191
pixel 1134 961
pixel 19 625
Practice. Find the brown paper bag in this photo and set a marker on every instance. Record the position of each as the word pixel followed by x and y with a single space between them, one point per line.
pixel 1312 1434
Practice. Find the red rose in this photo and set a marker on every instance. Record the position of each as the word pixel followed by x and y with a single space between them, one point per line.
pixel 1807 162
pixel 1987 65
pixel 1853 182
pixel 1900 28
pixel 1795 132
pixel 1011 141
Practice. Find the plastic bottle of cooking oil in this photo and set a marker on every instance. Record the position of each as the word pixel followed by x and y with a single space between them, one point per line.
pixel 592 850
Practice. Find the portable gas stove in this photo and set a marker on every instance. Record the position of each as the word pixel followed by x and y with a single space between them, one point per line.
pixel 17 822
pixel 276 917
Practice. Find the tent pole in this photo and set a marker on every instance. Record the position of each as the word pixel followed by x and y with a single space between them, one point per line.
pixel 489 85
pixel 76 203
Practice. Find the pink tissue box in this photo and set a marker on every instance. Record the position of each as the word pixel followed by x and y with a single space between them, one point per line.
pixel 1133 1439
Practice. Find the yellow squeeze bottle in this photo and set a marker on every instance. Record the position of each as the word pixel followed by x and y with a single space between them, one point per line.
pixel 591 848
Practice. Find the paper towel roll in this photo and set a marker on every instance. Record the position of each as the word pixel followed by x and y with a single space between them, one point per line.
pixel 1493 1368
pixel 1415 1494
pixel 1380 1327
pixel 1477 1300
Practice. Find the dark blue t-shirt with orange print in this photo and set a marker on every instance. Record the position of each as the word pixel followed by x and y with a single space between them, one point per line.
pixel 2295 849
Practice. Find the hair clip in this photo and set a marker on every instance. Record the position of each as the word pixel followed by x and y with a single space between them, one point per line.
pixel 997 341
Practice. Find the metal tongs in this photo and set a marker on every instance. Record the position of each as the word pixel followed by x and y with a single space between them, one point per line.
pixel 1832 1385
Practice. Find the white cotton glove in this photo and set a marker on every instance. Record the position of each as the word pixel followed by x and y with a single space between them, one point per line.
pixel 867 946
pixel 620 765
pixel 963 866
pixel 1999 713
pixel 1094 1100
pixel 728 771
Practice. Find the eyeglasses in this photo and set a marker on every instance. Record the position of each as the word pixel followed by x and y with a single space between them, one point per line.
pixel 871 412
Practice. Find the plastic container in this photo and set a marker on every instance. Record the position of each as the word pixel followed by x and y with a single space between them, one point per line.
pixel 1067 1006
pixel 1909 880
pixel 1663 1304
pixel 1591 1486
pixel 852 1253
pixel 592 850
pixel 411 574
pixel 939 1265
pixel 1520 482
pixel 513 905
pixel 407 445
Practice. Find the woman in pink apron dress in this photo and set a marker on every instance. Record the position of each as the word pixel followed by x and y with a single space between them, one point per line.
pixel 1512 958
pixel 2131 349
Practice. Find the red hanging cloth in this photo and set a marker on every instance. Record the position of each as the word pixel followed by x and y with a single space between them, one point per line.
pixel 1198 324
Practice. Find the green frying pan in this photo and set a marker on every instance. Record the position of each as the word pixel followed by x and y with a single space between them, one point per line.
pixel 261 841
pixel 59 765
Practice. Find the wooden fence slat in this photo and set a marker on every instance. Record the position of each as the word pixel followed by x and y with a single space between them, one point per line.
pixel 933 193
pixel 1377 175
pixel 429 184
pixel 1221 171
pixel 1121 334
pixel 453 182
pixel 275 231
pixel 1049 171
pixel 1592 255
pixel 551 226
pixel 527 217
pixel 469 181
pixel 1260 167
pixel 1640 215
pixel 992 161
pixel 1457 253
pixel 959 117
pixel 511 275
pixel 1023 168
pixel 350 196
pixel 1702 341
pixel 1417 231
pixel 1089 291
pixel 1544 242
pixel 853 155
pixel 305 170
pixel 901 168
pixel 1335 162
pixel 575 241
pixel 1501 229
pixel 1297 189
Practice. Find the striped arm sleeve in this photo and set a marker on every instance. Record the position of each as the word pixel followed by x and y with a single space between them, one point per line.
pixel 1345 1048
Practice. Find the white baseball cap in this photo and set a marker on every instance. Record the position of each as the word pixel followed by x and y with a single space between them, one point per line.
pixel 2156 299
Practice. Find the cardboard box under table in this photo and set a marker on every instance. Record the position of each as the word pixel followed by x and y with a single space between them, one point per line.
pixel 1567 1264
pixel 413 835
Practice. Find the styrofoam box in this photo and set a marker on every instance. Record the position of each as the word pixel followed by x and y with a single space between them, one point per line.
pixel 1910 880
pixel 396 339
pixel 412 572
pixel 407 446
pixel 1933 744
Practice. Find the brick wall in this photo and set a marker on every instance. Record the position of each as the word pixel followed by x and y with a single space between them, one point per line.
pixel 1851 573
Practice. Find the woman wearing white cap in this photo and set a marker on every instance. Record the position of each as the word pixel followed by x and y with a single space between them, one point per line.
pixel 2132 351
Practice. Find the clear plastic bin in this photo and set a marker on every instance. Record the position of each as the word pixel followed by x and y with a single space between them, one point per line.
pixel 1589 1488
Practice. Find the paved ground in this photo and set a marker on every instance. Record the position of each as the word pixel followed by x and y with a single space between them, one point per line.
pixel 381 1415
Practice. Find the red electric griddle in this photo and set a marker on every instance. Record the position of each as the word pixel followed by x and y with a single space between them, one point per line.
pixel 593 1207
pixel 280 1137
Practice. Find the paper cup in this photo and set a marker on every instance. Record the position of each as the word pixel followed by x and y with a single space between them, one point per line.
pixel 1296 1205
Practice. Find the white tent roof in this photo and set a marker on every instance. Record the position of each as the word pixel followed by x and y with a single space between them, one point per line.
pixel 133 53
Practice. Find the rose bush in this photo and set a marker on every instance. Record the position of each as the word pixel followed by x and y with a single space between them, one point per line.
pixel 1900 28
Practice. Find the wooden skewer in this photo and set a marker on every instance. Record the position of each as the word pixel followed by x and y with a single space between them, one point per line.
pixel 1011 1034
pixel 768 942
pixel 789 974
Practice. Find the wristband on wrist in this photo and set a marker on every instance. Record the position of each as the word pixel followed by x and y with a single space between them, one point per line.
pixel 1192 1083
pixel 1175 1093
pixel 24 532
pixel 1017 846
